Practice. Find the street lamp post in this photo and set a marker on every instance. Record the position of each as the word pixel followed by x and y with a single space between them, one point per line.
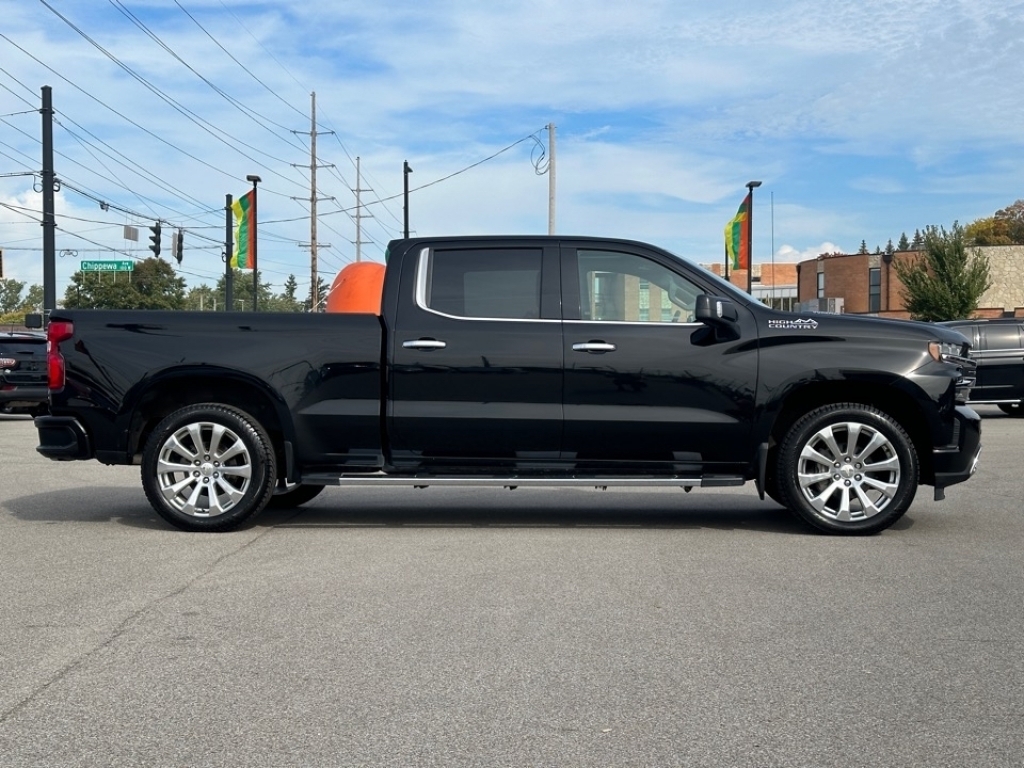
pixel 751 186
pixel 255 239
pixel 406 170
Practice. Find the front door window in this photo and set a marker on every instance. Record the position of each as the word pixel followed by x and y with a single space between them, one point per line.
pixel 627 288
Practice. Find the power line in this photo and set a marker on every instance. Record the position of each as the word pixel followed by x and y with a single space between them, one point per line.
pixel 248 112
pixel 16 95
pixel 15 114
pixel 92 195
pixel 131 166
pixel 449 176
pixel 269 53
pixel 177 106
pixel 119 114
pixel 240 64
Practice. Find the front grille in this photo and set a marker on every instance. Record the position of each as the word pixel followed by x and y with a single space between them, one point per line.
pixel 968 368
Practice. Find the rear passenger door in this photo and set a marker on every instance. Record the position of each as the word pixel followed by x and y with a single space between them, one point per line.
pixel 476 373
pixel 1000 362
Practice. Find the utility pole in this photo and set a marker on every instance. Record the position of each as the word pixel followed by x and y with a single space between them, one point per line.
pixel 359 212
pixel 314 287
pixel 49 219
pixel 229 249
pixel 314 292
pixel 406 170
pixel 751 186
pixel 551 178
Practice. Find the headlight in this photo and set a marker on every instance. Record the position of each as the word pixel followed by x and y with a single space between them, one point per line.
pixel 948 352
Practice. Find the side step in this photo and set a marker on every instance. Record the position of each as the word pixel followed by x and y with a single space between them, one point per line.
pixel 516 481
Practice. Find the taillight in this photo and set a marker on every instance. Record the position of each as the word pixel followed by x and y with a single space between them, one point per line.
pixel 56 332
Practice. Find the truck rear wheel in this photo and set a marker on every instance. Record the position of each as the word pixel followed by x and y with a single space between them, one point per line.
pixel 208 467
pixel 848 468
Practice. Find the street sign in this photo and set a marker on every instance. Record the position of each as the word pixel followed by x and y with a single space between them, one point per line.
pixel 108 266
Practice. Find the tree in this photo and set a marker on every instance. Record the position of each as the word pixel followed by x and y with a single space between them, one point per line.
pixel 203 298
pixel 13 307
pixel 863 247
pixel 903 244
pixel 1013 217
pixel 890 248
pixel 288 300
pixel 944 282
pixel 10 295
pixel 988 231
pixel 322 289
pixel 242 291
pixel 33 299
pixel 285 301
pixel 152 285
pixel 1005 227
pixel 918 242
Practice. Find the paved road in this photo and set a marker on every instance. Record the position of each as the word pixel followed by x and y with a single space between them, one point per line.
pixel 492 628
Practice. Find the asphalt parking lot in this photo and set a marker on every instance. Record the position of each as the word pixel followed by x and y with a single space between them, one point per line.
pixel 539 627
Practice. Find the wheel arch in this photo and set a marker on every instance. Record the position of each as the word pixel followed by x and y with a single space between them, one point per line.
pixel 897 403
pixel 161 395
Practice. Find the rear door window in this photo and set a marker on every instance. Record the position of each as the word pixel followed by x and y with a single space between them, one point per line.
pixel 484 284
pixel 1001 337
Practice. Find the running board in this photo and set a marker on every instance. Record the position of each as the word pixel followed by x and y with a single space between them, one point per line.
pixel 514 481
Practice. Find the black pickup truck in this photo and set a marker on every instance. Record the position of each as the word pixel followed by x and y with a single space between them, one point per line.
pixel 518 361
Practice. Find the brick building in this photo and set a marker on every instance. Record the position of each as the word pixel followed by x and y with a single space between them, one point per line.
pixel 774 284
pixel 867 283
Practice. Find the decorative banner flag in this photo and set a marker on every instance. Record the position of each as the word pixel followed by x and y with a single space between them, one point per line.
pixel 737 242
pixel 244 209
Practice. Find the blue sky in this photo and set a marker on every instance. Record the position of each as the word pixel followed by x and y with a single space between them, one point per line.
pixel 862 119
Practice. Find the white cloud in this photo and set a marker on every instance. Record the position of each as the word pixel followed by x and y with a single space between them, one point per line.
pixel 866 118
pixel 787 253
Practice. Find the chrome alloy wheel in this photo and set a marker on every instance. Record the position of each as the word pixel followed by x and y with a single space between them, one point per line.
pixel 848 471
pixel 204 469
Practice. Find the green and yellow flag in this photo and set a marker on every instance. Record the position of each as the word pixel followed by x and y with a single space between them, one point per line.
pixel 244 209
pixel 737 242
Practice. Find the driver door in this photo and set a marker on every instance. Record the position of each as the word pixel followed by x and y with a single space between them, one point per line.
pixel 643 387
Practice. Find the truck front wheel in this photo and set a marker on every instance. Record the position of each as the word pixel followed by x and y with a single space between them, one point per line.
pixel 847 468
pixel 208 467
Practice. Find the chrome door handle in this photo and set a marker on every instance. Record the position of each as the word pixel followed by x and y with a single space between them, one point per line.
pixel 593 346
pixel 423 344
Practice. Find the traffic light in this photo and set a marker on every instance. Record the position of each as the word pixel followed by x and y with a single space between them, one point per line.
pixel 155 239
pixel 178 247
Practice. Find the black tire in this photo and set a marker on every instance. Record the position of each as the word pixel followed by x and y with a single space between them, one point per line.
pixel 208 467
pixel 848 468
pixel 1012 409
pixel 292 496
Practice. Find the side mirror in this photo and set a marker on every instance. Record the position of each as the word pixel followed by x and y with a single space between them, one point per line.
pixel 34 320
pixel 714 310
pixel 718 313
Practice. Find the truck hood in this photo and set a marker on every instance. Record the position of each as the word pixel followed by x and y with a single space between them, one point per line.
pixel 859 325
